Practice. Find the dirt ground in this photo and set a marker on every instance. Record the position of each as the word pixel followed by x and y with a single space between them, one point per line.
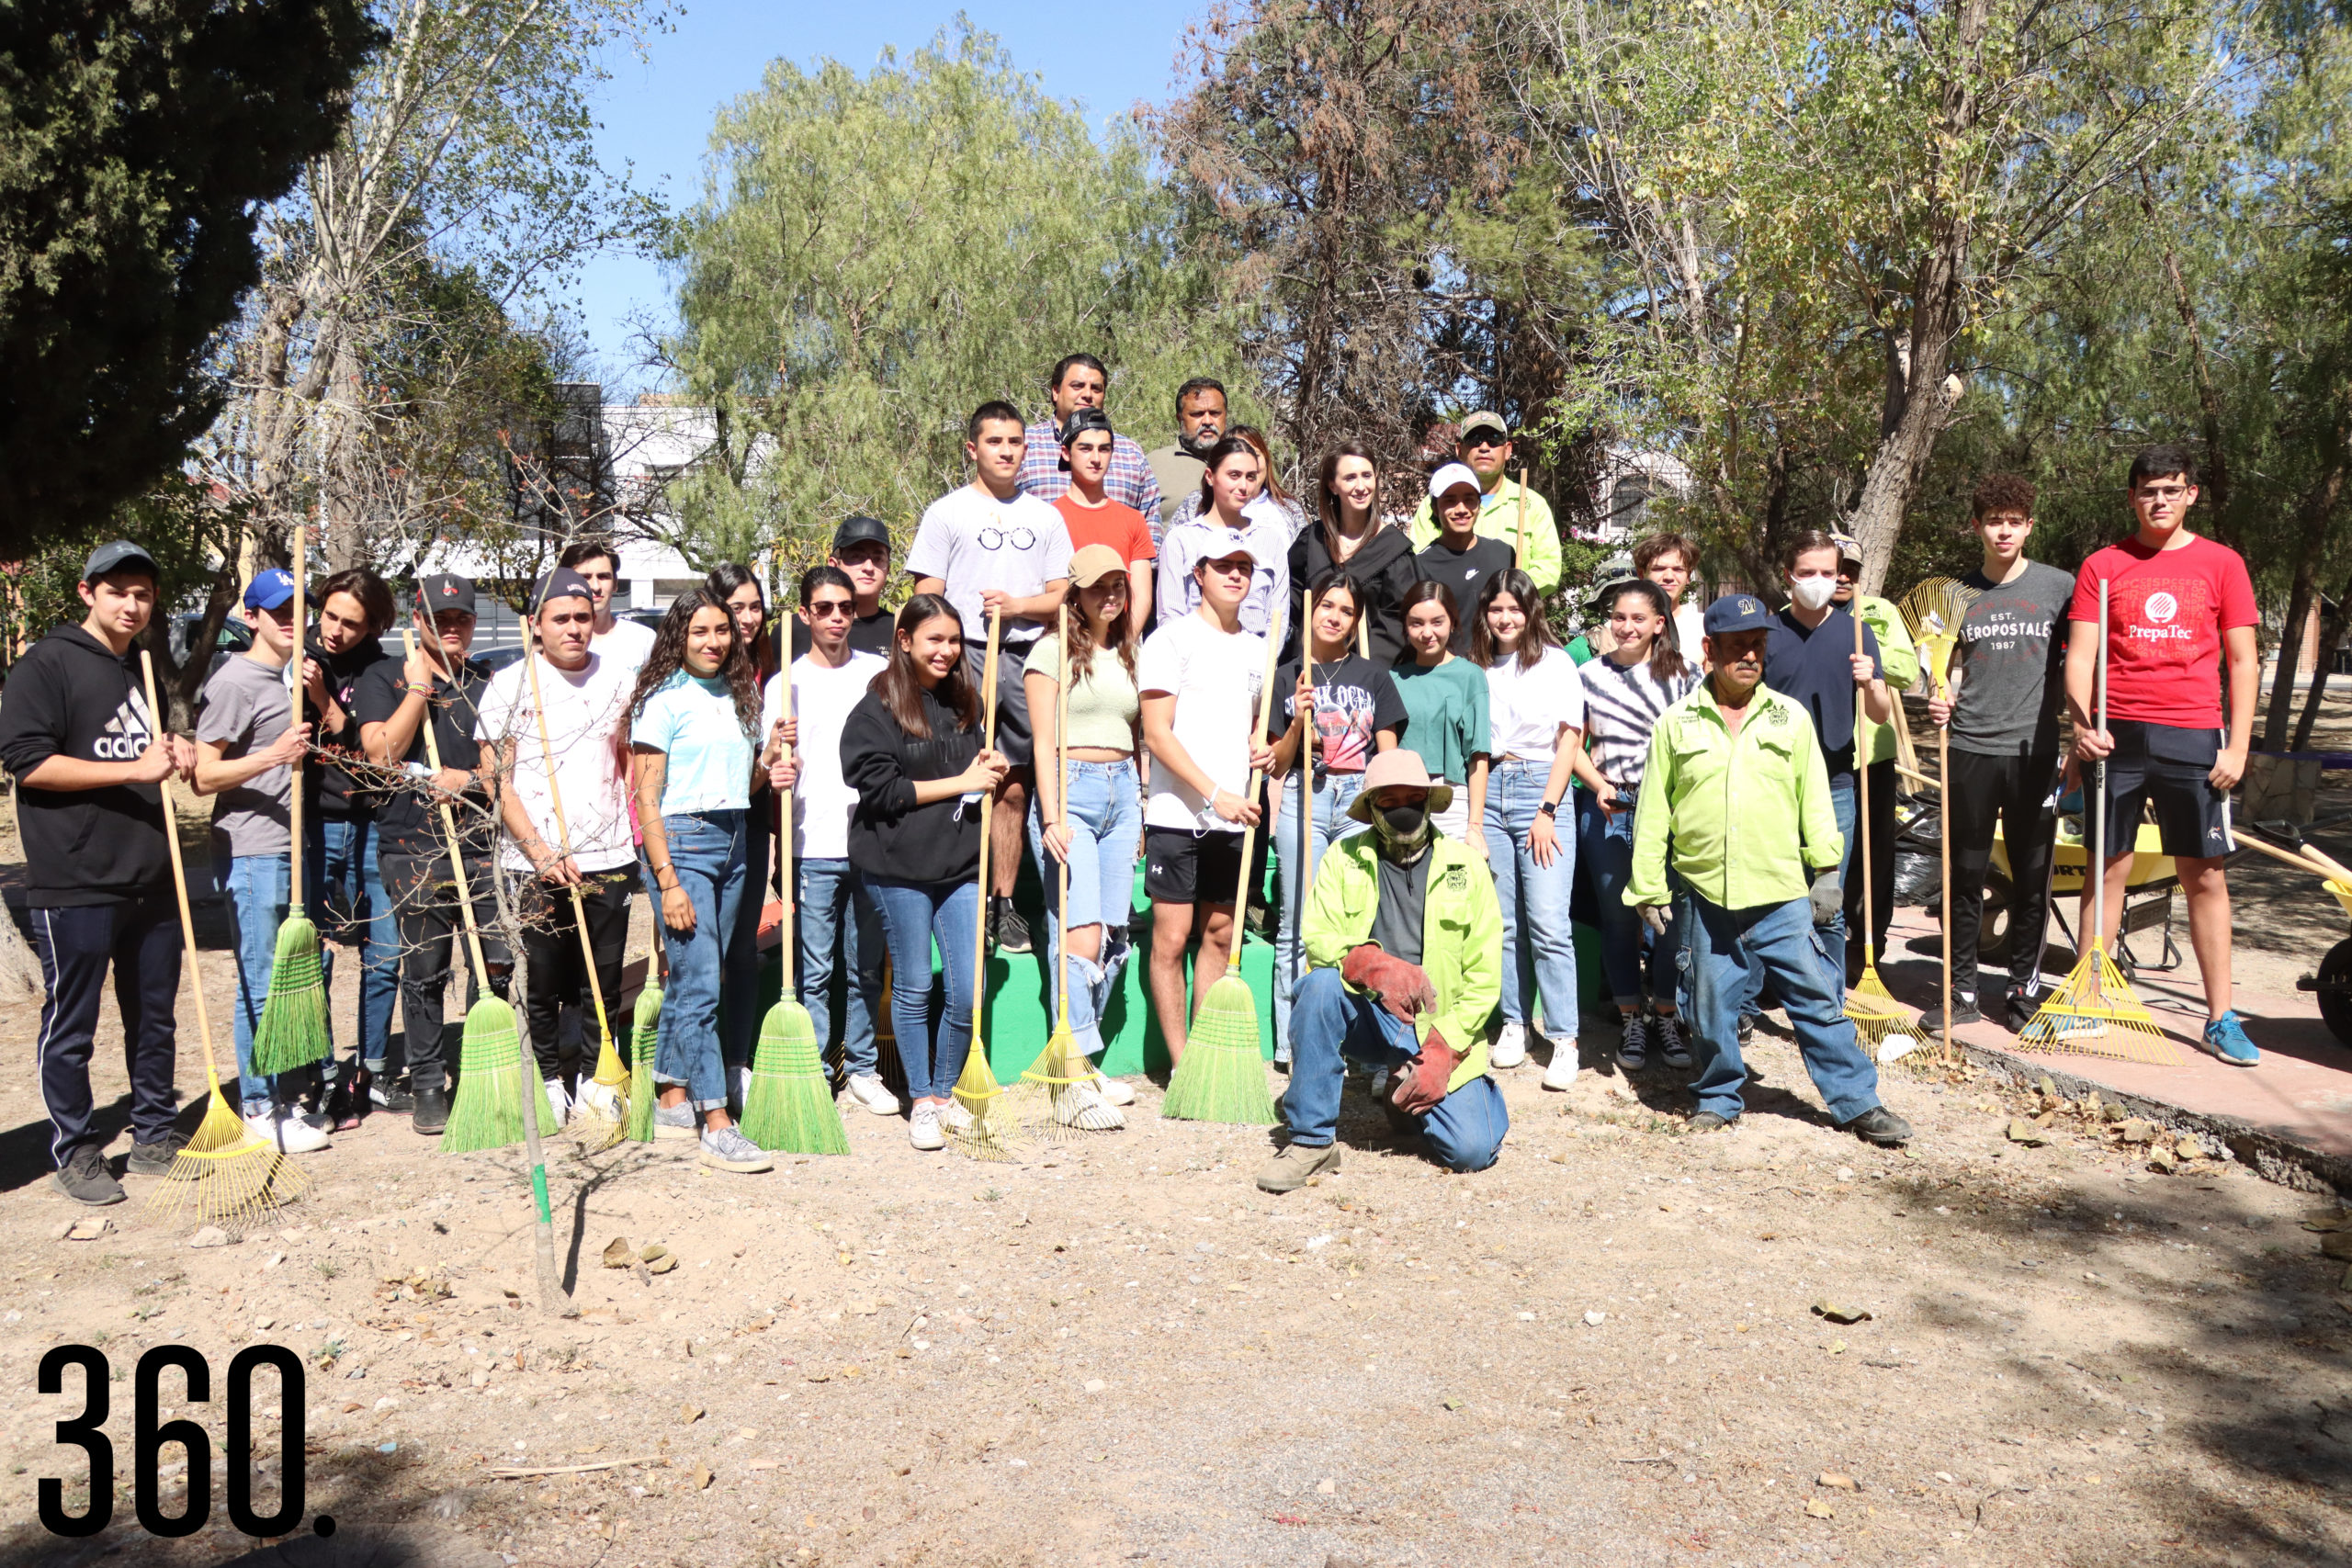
pixel 1610 1348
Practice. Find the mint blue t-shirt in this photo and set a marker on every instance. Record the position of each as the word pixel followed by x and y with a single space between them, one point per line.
pixel 692 719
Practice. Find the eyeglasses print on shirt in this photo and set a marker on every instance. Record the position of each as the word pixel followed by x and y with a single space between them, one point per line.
pixel 1022 537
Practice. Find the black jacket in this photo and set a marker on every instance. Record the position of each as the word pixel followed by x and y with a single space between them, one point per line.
pixel 889 835
pixel 70 696
pixel 334 791
pixel 1383 571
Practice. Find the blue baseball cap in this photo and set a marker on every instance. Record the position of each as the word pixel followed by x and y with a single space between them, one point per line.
pixel 270 589
pixel 1737 612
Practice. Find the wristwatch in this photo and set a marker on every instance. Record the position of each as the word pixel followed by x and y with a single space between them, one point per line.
pixel 1549 808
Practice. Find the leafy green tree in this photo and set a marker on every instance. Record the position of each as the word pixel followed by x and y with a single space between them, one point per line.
pixel 137 143
pixel 875 255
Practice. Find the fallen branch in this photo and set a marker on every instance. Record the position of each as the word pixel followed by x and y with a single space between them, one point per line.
pixel 508 1473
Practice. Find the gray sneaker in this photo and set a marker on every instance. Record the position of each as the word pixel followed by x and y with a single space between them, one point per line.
pixel 727 1149
pixel 674 1122
pixel 86 1179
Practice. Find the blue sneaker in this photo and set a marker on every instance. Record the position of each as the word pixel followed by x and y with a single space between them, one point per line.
pixel 2227 1037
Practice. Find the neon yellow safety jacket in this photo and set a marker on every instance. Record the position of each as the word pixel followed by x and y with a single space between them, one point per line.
pixel 1747 814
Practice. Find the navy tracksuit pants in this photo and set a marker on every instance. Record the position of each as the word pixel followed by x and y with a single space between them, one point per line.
pixel 142 940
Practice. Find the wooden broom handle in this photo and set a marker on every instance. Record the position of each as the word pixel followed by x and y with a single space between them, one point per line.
pixel 1250 833
pixel 1061 797
pixel 987 801
pixel 563 828
pixel 1862 799
pixel 179 878
pixel 449 827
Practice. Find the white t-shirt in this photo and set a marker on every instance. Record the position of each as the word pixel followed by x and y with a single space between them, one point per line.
pixel 972 541
pixel 822 802
pixel 626 646
pixel 1214 676
pixel 587 714
pixel 1526 708
pixel 1690 630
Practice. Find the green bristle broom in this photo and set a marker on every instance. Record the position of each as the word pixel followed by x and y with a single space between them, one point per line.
pixel 1223 1076
pixel 224 1176
pixel 487 1111
pixel 789 1106
pixel 293 1029
pixel 644 1028
pixel 988 1131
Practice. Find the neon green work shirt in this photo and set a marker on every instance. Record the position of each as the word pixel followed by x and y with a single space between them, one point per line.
pixel 1736 807
pixel 1498 519
pixel 1898 660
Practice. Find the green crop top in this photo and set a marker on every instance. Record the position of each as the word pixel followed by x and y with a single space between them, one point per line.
pixel 1104 704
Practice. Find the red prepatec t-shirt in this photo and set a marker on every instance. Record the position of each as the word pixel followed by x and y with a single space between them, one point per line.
pixel 2165 613
pixel 1113 522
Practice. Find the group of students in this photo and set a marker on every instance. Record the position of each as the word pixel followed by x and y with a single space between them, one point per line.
pixel 1425 732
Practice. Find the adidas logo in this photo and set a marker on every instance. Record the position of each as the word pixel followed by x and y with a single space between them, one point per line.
pixel 127 734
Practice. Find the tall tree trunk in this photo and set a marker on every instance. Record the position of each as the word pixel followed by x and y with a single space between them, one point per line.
pixel 2216 476
pixel 2331 637
pixel 1937 312
pixel 2317 509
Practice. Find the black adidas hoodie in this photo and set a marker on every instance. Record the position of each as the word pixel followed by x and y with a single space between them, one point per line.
pixel 70 696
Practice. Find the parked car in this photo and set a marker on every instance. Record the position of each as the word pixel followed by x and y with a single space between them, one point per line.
pixel 498 659
pixel 235 637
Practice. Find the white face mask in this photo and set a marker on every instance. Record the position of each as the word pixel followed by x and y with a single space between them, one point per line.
pixel 1813 593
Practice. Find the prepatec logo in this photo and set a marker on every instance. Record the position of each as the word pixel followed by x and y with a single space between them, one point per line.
pixel 2162 607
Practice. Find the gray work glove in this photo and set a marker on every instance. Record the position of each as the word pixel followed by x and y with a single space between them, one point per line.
pixel 1828 896
pixel 1654 916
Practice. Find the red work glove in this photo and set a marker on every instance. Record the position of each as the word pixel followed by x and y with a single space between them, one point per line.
pixel 1403 988
pixel 1421 1083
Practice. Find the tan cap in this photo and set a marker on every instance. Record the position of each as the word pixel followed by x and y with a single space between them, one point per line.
pixel 1094 563
pixel 1485 419
pixel 1391 770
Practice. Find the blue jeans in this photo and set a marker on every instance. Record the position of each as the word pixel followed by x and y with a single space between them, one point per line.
pixel 739 1007
pixel 256 887
pixel 1104 816
pixel 706 855
pixel 1539 934
pixel 1833 936
pixel 1329 1027
pixel 913 915
pixel 1605 846
pixel 1727 953
pixel 1334 793
pixel 357 910
pixel 834 903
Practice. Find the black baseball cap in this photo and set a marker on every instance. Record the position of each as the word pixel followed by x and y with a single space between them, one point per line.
pixel 115 556
pixel 861 530
pixel 444 590
pixel 562 584
pixel 1083 421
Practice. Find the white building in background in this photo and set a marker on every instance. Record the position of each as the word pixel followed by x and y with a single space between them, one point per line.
pixel 1630 480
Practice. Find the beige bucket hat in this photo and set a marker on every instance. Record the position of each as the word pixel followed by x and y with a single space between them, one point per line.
pixel 1391 769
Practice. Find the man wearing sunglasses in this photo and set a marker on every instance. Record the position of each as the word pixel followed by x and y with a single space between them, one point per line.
pixel 987 546
pixel 1485 445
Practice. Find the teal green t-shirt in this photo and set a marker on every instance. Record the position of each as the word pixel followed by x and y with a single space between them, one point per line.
pixel 691 720
pixel 1446 716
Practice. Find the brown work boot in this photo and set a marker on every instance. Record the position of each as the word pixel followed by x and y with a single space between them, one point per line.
pixel 1294 1162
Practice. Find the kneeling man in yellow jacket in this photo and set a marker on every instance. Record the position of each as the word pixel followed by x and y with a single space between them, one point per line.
pixel 1404 957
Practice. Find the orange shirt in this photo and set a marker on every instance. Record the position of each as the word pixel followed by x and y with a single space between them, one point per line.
pixel 1113 523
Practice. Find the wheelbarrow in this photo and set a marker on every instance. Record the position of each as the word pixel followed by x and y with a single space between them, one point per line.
pixel 2332 985
pixel 2147 896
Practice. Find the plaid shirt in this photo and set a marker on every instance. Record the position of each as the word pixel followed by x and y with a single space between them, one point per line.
pixel 1130 481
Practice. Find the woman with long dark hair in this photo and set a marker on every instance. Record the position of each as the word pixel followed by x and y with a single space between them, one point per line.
pixel 693 717
pixel 1536 706
pixel 735 587
pixel 912 749
pixel 1625 692
pixel 1347 534
pixel 1445 710
pixel 1096 828
pixel 1354 712
pixel 1231 516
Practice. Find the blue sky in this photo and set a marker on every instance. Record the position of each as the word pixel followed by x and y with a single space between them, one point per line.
pixel 656 114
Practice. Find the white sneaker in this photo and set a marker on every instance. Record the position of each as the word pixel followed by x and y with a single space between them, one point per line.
pixel 1117 1093
pixel 600 1097
pixel 1511 1047
pixel 1562 1074
pixel 954 1117
pixel 287 1133
pixel 558 1101
pixel 868 1091
pixel 922 1128
pixel 1081 1105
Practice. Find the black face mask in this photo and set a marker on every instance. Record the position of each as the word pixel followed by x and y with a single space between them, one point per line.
pixel 1405 821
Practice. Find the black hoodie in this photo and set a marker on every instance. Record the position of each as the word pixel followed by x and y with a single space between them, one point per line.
pixel 1383 571
pixel 335 794
pixel 72 696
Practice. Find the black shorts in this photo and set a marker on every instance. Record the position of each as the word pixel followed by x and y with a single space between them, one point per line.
pixel 1011 694
pixel 1180 866
pixel 2166 767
